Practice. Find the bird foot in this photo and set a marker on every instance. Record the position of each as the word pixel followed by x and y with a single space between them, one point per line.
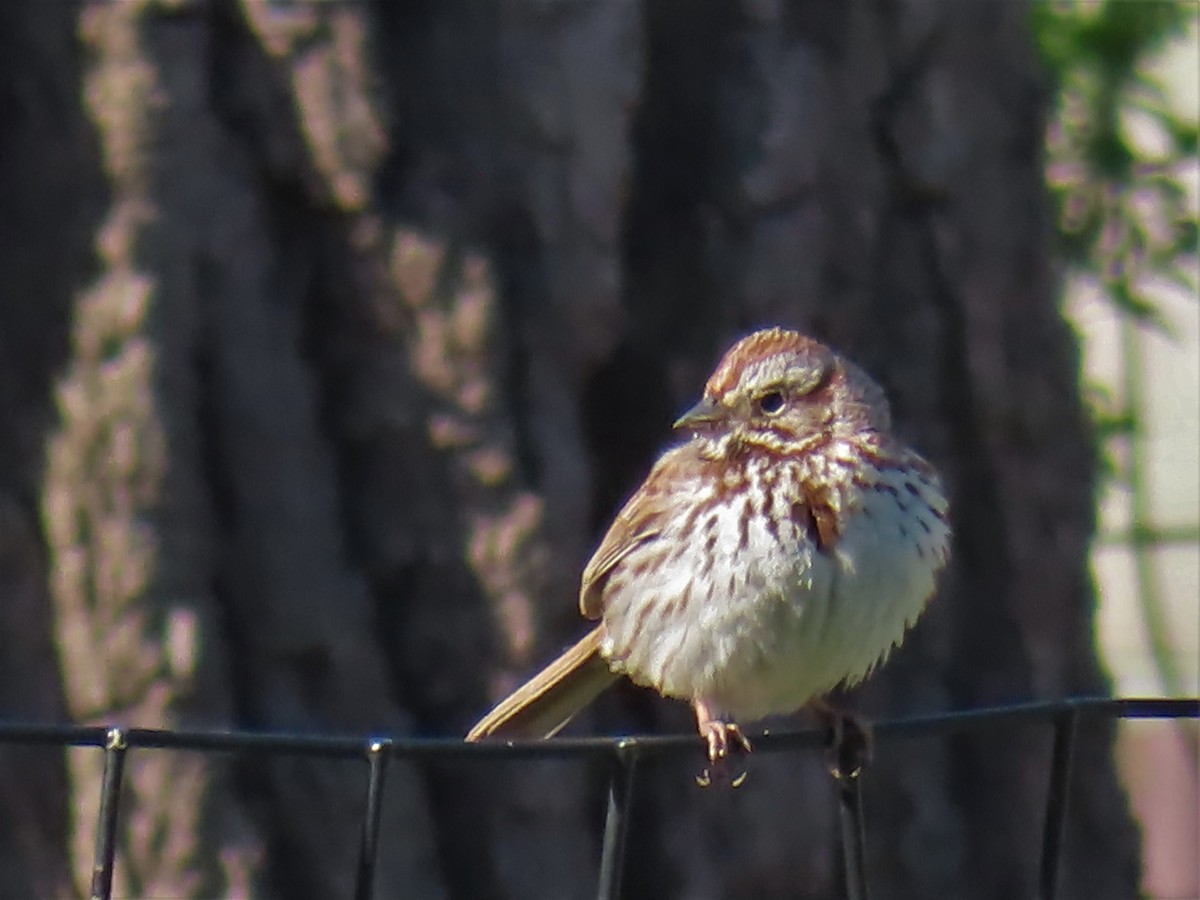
pixel 848 742
pixel 721 738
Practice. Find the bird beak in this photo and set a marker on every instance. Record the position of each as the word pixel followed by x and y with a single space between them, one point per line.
pixel 706 412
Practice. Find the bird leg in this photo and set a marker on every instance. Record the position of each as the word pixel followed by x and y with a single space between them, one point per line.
pixel 720 737
pixel 847 741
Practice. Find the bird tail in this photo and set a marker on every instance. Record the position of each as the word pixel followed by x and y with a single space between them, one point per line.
pixel 545 703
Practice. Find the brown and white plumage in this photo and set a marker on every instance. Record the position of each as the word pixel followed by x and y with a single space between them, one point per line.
pixel 779 552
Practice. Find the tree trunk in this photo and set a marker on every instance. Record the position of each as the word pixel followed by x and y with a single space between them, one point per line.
pixel 391 305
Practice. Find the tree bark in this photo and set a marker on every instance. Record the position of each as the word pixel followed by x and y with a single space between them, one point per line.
pixel 391 305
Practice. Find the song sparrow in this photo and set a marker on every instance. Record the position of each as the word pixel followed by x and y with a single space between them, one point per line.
pixel 780 552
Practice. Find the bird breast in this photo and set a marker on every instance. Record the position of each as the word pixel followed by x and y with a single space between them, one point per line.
pixel 740 602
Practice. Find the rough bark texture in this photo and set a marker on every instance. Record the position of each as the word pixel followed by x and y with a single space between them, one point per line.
pixel 331 335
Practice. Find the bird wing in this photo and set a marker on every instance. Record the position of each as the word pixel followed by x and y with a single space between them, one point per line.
pixel 617 544
pixel 640 521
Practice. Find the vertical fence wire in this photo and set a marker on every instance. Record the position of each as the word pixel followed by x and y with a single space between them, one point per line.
pixel 379 752
pixel 616 820
pixel 854 839
pixel 1057 795
pixel 115 747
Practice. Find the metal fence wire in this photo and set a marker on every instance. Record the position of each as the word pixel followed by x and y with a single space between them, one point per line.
pixel 622 754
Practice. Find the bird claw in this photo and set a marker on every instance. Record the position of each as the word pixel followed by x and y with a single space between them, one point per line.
pixel 717 775
pixel 847 746
pixel 721 737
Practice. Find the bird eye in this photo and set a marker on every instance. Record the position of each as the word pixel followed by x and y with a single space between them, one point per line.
pixel 771 402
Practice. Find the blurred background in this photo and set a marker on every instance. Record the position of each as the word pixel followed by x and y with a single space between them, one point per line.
pixel 332 334
pixel 1131 294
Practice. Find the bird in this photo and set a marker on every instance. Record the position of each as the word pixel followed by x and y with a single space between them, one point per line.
pixel 778 552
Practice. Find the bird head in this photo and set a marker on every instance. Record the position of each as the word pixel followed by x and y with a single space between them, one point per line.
pixel 785 392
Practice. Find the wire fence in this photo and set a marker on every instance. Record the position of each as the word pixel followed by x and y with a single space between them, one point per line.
pixel 623 755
